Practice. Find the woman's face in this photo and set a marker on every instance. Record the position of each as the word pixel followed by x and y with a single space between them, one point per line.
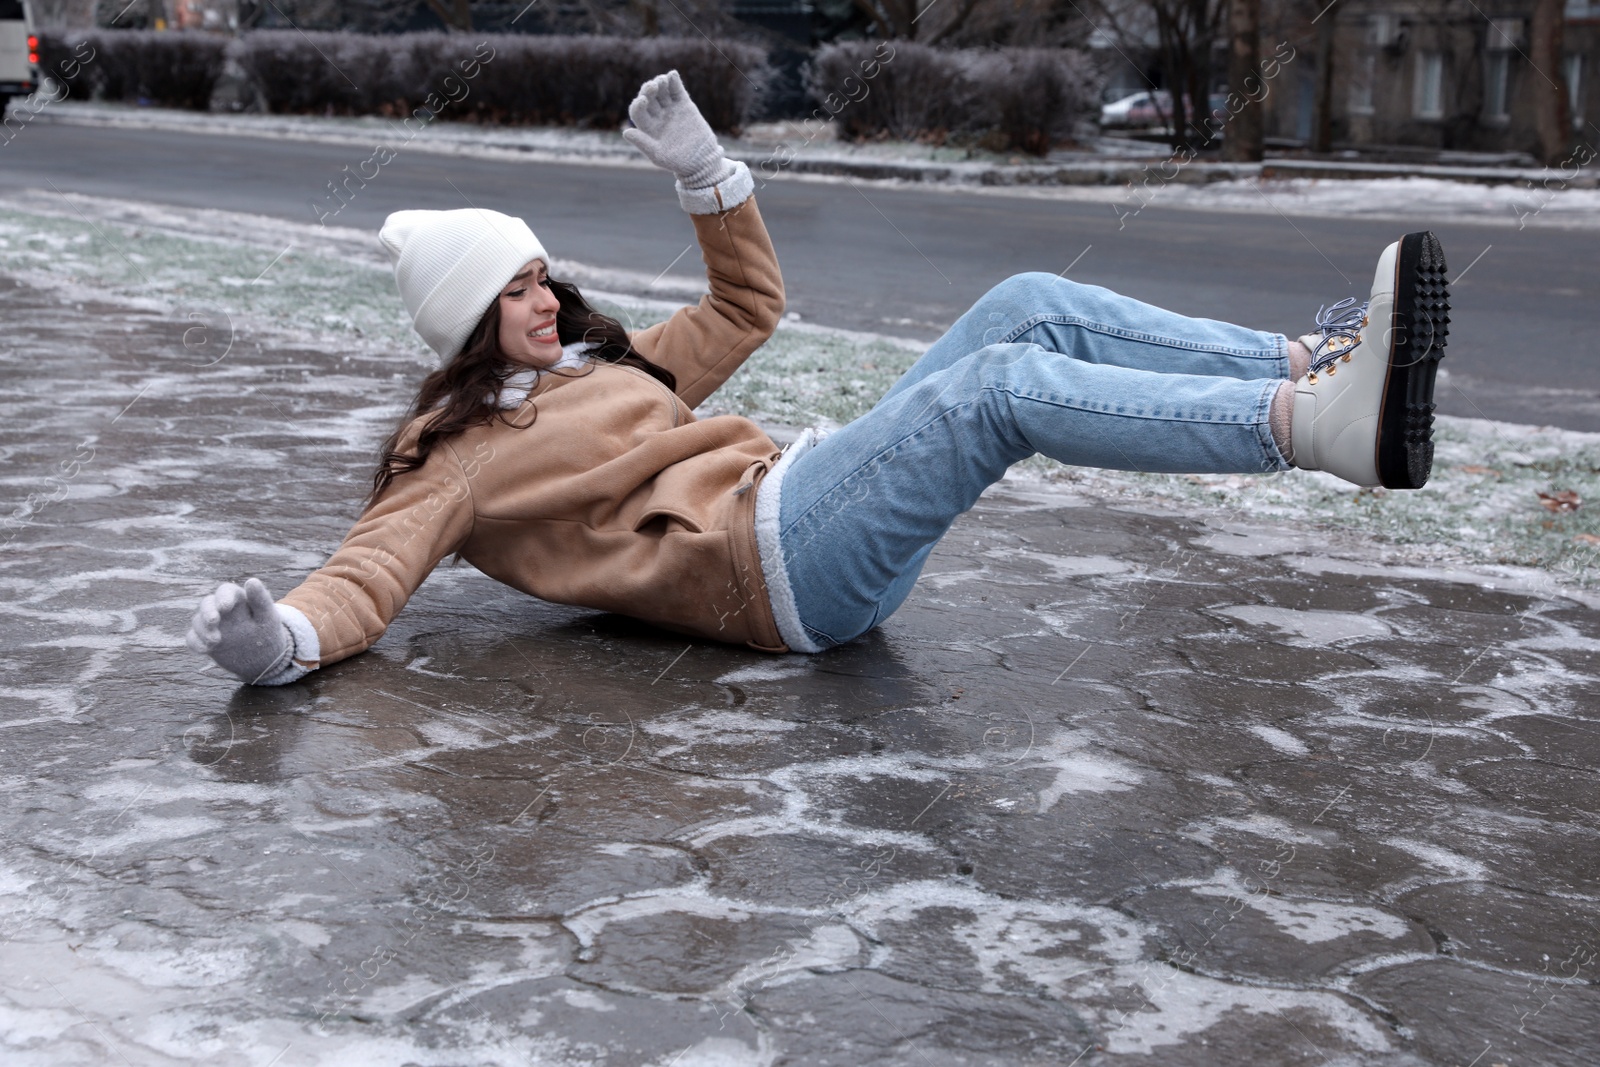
pixel 528 318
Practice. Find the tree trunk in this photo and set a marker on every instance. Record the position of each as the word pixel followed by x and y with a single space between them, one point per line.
pixel 1186 31
pixel 1552 117
pixel 868 8
pixel 1204 27
pixel 1322 104
pixel 455 14
pixel 1199 108
pixel 1175 71
pixel 649 18
pixel 1242 137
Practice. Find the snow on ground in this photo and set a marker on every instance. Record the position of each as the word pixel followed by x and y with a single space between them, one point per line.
pixel 244 279
pixel 1511 205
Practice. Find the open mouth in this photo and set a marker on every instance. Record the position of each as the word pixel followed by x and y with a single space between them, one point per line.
pixel 546 332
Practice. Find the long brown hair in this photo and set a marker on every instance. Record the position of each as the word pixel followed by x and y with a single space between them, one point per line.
pixel 468 384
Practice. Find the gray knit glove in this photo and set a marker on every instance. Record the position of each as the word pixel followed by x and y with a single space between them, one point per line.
pixel 242 631
pixel 672 134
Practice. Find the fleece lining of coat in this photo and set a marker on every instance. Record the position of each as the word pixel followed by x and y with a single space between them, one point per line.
pixel 770 547
pixel 307 654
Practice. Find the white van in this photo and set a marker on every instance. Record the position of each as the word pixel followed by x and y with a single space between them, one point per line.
pixel 19 52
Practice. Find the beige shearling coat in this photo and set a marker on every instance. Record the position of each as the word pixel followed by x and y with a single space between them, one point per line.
pixel 602 490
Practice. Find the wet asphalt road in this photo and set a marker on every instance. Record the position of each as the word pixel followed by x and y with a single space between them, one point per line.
pixel 908 261
pixel 1115 787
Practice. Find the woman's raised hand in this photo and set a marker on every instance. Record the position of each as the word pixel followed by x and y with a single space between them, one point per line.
pixel 241 630
pixel 672 134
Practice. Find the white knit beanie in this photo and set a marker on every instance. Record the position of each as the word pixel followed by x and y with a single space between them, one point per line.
pixel 451 265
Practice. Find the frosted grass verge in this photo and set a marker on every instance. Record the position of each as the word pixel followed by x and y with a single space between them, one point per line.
pixel 1416 201
pixel 1481 505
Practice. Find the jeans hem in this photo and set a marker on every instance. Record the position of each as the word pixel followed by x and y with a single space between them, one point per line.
pixel 1283 354
pixel 1263 413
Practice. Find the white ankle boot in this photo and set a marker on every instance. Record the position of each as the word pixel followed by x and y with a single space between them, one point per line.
pixel 1364 411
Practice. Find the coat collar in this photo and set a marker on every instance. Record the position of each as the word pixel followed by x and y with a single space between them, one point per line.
pixel 514 391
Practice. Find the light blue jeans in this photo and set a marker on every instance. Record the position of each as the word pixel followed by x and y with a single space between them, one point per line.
pixel 1038 364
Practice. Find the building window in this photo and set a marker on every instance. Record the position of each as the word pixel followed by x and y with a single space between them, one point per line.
pixel 1496 76
pixel 1573 69
pixel 1361 78
pixel 1383 29
pixel 1428 96
pixel 1505 35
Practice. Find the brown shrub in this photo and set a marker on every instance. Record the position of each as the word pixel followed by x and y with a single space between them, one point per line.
pixel 1008 99
pixel 176 68
pixel 515 79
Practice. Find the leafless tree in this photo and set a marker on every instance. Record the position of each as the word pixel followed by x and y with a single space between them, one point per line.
pixel 455 14
pixel 1183 34
pixel 651 18
pixel 1243 143
pixel 1552 113
pixel 124 14
pixel 924 21
pixel 1322 98
pixel 64 14
pixel 1021 24
pixel 362 16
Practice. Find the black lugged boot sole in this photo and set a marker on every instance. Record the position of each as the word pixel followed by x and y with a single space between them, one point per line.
pixel 1421 323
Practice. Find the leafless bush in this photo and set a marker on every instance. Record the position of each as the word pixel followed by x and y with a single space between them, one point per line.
pixel 912 94
pixel 330 72
pixel 517 79
pixel 1007 99
pixel 176 68
pixel 521 79
pixel 60 57
pixel 1036 95
pixel 1019 24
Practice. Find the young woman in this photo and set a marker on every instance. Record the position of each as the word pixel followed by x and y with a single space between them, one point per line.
pixel 559 453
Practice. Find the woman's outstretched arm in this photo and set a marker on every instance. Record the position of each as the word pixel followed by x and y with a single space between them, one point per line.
pixel 347 604
pixel 703 345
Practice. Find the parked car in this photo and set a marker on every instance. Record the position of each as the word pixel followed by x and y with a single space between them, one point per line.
pixel 1151 108
pixel 1140 110
pixel 19 52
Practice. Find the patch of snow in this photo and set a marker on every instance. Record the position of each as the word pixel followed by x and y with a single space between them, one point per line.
pixel 782 669
pixel 1441 858
pixel 1311 921
pixel 1179 1005
pixel 1281 740
pixel 1315 628
pixel 1064 566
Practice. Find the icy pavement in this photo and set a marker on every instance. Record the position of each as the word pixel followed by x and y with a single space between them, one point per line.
pixel 1126 781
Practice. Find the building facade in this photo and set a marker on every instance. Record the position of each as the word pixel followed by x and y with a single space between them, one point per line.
pixel 1443 75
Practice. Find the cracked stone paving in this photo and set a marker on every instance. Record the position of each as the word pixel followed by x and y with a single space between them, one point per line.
pixel 1115 786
